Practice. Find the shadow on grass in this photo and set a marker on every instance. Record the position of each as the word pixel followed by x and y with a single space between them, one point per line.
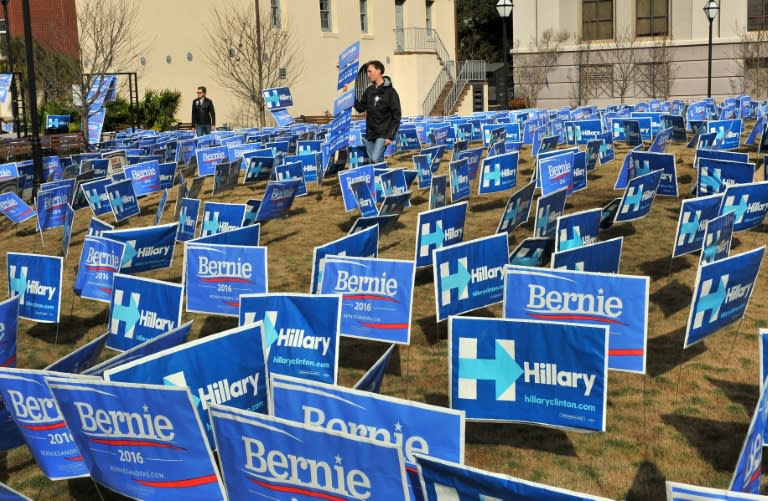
pixel 740 393
pixel 684 179
pixel 280 238
pixel 424 276
pixel 520 436
pixel 666 352
pixel 71 329
pixel 493 204
pixel 595 177
pixel 718 442
pixel 670 297
pixel 214 324
pixel 433 331
pixel 362 354
pixel 6 471
pixel 439 399
pixel 648 483
pixel 619 230
pixel 86 489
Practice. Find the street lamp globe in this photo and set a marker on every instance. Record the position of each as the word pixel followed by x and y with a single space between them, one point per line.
pixel 504 7
pixel 710 9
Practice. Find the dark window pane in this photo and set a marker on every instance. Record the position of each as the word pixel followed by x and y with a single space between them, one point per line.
pixel 643 8
pixel 659 8
pixel 605 10
pixel 643 27
pixel 660 26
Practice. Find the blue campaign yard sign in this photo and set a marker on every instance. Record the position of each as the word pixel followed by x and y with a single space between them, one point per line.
pixel 473 157
pixel 36 414
pixel 459 173
pixel 96 195
pixel 366 204
pixel 364 243
pixel 188 215
pixel 749 202
pixel 349 55
pixel 371 469
pixel 691 224
pixel 747 476
pixel 310 162
pixel 498 173
pixel 346 178
pixel 219 217
pixel 607 152
pixel 677 491
pixel 14 208
pixel 577 229
pixel 277 200
pixel 170 339
pixel 278 97
pixel 425 429
pixel 727 133
pixel 438 228
pixel 376 296
pixel 292 172
pixel 228 378
pixel 555 172
pixel 581 131
pixel 216 275
pixel 208 158
pixel 627 171
pixel 437 190
pixel 632 131
pixel 51 207
pixel 170 457
pixel 430 430
pixel 372 379
pixel 99 261
pixel 722 293
pixel 715 176
pixel 548 209
pixel 552 374
pixel 168 175
pixel 457 482
pixel 644 162
pixel 424 172
pixel 717 241
pixel 37 280
pixel 518 209
pixel 96 227
pixel 146 248
pixel 123 200
pixel 83 358
pixel 258 166
pixel 145 177
pixel 469 275
pixel 602 257
pixel 619 302
pixel 661 142
pixel 532 252
pixel 9 324
pixel 408 139
pixel 677 124
pixel 300 331
pixel 638 197
pixel 142 309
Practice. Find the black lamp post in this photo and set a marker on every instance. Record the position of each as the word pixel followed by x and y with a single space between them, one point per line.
pixel 710 10
pixel 37 156
pixel 504 7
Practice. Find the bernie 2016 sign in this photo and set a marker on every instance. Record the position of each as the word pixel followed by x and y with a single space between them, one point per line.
pixel 99 261
pixel 553 374
pixel 619 302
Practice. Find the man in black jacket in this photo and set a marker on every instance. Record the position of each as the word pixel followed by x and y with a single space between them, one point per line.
pixel 203 114
pixel 381 103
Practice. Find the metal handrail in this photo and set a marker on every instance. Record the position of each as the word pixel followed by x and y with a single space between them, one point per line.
pixel 415 39
pixel 472 70
pixel 434 93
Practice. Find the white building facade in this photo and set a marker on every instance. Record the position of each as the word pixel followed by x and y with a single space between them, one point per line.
pixel 607 35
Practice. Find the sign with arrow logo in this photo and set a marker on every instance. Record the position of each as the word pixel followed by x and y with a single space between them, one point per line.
pixel 553 374
pixel 438 228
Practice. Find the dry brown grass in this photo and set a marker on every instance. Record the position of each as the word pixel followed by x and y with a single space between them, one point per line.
pixel 683 421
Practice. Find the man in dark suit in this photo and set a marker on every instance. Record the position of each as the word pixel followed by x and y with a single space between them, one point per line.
pixel 203 114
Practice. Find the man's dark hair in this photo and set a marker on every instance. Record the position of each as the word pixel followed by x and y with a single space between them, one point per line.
pixel 376 64
pixel 202 89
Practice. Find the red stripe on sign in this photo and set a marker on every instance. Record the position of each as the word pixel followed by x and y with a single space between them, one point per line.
pixel 577 317
pixel 137 443
pixel 756 475
pixel 76 458
pixel 625 353
pixel 175 484
pixel 225 279
pixel 44 427
pixel 296 490
pixel 385 326
pixel 364 297
pixel 8 362
pixel 235 304
pixel 101 268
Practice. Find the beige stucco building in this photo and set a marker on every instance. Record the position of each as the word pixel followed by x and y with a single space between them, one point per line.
pixel 397 32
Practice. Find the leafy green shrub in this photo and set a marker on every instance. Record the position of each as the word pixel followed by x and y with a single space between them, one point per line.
pixel 158 108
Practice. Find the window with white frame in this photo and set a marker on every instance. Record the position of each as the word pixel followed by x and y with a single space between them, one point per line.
pixel 652 18
pixel 325 15
pixel 275 13
pixel 597 19
pixel 363 16
pixel 757 15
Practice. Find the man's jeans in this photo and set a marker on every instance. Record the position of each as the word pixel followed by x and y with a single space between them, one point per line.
pixel 202 130
pixel 375 150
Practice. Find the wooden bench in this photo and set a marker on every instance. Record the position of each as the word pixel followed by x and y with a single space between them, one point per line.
pixel 54 144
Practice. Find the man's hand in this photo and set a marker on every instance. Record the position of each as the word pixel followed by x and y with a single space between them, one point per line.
pixel 387 142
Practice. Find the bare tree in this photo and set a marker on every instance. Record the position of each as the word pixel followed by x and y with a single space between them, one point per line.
pixel 662 72
pixel 623 53
pixel 582 86
pixel 248 51
pixel 532 68
pixel 752 59
pixel 108 36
